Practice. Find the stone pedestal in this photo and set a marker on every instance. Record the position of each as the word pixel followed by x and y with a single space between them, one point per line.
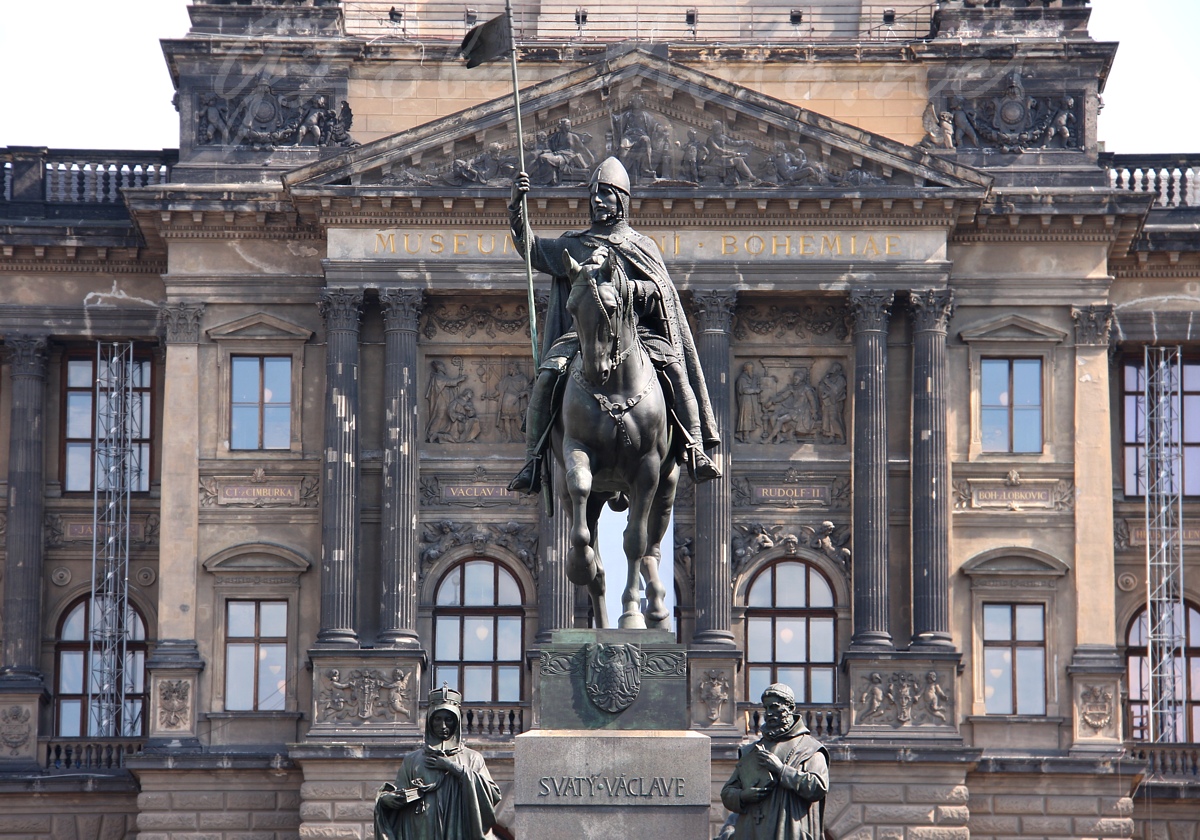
pixel 613 756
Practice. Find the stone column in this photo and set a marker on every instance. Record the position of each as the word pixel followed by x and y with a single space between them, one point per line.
pixel 401 470
pixel 341 309
pixel 175 663
pixel 714 592
pixel 1096 665
pixel 871 309
pixel 556 594
pixel 931 311
pixel 23 563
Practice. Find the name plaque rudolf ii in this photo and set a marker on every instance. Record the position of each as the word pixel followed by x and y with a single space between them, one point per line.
pixel 732 245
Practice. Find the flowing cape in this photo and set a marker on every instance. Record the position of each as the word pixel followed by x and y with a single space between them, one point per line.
pixel 456 810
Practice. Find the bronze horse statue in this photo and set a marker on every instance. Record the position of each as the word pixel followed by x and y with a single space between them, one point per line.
pixel 612 442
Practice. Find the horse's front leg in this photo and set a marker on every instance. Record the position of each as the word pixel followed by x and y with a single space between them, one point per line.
pixel 581 556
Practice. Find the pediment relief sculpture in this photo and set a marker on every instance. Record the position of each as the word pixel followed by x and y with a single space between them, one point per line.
pixel 264 118
pixel 1009 121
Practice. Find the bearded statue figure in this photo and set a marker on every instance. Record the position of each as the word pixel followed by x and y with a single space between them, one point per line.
pixel 779 786
pixel 443 790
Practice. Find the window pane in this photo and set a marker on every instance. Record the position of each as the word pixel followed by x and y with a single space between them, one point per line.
pixel 1031 681
pixel 241 618
pixel 760 591
pixel 277 427
pixel 1133 470
pixel 1191 376
pixel 72 630
pixel 508 637
pixel 68 718
pixel 272 619
pixel 141 374
pixel 1027 430
pixel 1135 426
pixel 1194 677
pixel 995 429
pixel 477 684
pixel 758 640
pixel 131 721
pixel 447 675
pixel 239 677
pixel 447 639
pixel 1193 633
pixel 479 586
pixel 1191 419
pixel 994 381
pixel 245 379
pixel 448 594
pixel 997 682
pixel 819 593
pixel 997 622
pixel 509 594
pixel 1029 623
pixel 1133 378
pixel 760 678
pixel 822 685
pixel 790 640
pixel 794 678
pixel 789 584
pixel 135 671
pixel 477 639
pixel 79 467
pixel 95 674
pixel 1191 470
pixel 277 380
pixel 79 415
pixel 1137 631
pixel 243 431
pixel 272 676
pixel 70 672
pixel 141 468
pixel 508 684
pixel 820 632
pixel 79 373
pixel 1027 382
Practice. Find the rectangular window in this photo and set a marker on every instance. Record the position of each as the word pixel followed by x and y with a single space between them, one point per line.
pixel 1185 438
pixel 1011 405
pixel 255 655
pixel 1014 659
pixel 260 402
pixel 92 424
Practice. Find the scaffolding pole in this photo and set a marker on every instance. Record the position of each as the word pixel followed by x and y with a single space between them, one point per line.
pixel 1164 542
pixel 116 469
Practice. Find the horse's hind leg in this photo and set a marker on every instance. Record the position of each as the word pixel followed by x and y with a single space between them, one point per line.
pixel 658 521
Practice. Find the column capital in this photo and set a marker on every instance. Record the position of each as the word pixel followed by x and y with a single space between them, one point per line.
pixel 402 308
pixel 1092 324
pixel 714 310
pixel 341 308
pixel 871 308
pixel 27 354
pixel 181 322
pixel 931 309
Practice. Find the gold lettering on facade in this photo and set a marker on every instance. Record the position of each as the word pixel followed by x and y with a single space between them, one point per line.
pixel 891 245
pixel 775 243
pixel 460 243
pixel 728 245
pixel 491 244
pixel 437 243
pixel 385 243
pixel 412 250
pixel 831 245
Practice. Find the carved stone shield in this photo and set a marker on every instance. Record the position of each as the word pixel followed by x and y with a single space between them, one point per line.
pixel 613 675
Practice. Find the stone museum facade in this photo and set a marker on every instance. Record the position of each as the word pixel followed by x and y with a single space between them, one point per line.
pixel 261 397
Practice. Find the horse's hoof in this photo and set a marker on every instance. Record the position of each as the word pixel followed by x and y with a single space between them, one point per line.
pixel 663 623
pixel 631 621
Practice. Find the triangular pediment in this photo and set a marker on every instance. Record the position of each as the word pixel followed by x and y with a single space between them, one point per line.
pixel 260 326
pixel 1012 328
pixel 678 130
pixel 1014 562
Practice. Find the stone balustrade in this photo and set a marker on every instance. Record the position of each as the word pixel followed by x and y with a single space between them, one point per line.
pixel 500 722
pixel 1172 179
pixel 44 180
pixel 1168 761
pixel 72 755
pixel 825 722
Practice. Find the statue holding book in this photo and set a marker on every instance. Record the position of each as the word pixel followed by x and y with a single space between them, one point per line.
pixel 443 790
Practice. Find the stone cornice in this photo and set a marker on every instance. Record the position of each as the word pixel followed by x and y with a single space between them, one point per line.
pixel 81 322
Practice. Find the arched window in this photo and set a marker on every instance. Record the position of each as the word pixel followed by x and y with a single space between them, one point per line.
pixel 790 632
pixel 1187 678
pixel 479 632
pixel 72 717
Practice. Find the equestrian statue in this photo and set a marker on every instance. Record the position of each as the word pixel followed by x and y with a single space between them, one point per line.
pixel 620 397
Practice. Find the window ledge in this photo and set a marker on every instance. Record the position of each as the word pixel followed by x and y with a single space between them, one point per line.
pixel 1016 719
pixel 254 715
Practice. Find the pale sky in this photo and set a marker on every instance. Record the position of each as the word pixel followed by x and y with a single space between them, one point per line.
pixel 91 74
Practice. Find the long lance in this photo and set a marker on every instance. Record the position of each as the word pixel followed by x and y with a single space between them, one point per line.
pixel 533 333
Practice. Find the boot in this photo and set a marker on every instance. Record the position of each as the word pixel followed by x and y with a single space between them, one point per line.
pixel 700 466
pixel 529 479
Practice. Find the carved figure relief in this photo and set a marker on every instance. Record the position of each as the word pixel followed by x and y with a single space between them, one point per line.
pixel 788 404
pixel 489 168
pixel 518 538
pixel 15 728
pixel 267 119
pixel 559 156
pixel 174 704
pixel 825 537
pixel 475 400
pixel 901 699
pixel 365 694
pixel 1009 121
pixel 641 141
pixel 713 691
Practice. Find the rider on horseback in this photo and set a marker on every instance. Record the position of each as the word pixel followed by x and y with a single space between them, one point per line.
pixel 662 325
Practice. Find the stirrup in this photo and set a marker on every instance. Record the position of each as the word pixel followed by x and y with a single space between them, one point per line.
pixel 701 467
pixel 529 479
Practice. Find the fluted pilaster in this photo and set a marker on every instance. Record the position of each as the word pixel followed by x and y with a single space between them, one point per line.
pixel 341 309
pixel 714 591
pixel 556 594
pixel 401 470
pixel 931 311
pixel 871 309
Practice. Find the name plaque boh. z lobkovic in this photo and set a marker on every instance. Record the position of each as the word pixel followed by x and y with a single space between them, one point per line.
pixel 613 749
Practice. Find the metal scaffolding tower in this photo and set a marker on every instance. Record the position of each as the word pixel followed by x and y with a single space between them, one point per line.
pixel 1164 542
pixel 118 421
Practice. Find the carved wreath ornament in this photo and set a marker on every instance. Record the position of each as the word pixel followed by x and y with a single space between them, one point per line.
pixel 1096 706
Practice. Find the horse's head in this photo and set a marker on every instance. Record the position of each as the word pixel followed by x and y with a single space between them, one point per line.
pixel 596 306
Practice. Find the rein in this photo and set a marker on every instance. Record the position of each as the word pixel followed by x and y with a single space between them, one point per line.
pixel 615 410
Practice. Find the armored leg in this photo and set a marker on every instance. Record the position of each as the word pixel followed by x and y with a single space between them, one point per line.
pixel 537 423
pixel 699 465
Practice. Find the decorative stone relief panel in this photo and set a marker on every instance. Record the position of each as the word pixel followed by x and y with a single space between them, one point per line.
pixel 900 699
pixel 174 704
pixel 17 730
pixel 1014 493
pixel 61 530
pixel 518 538
pixel 258 490
pixel 269 117
pixel 473 399
pixel 365 695
pixel 793 488
pixel 478 489
pixel 791 400
pixel 1009 120
pixel 825 538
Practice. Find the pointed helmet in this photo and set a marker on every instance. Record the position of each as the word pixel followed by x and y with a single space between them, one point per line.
pixel 612 172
